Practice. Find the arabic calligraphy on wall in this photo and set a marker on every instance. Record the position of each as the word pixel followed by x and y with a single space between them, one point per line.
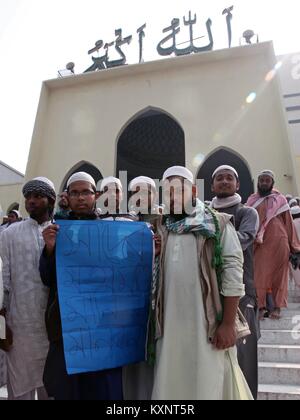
pixel 166 47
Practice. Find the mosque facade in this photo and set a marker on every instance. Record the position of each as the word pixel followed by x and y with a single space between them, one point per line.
pixel 201 110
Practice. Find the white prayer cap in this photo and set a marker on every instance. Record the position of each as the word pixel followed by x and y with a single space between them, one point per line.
pixel 267 172
pixel 17 213
pixel 295 210
pixel 179 171
pixel 45 181
pixel 293 202
pixel 225 168
pixel 141 180
pixel 110 180
pixel 81 176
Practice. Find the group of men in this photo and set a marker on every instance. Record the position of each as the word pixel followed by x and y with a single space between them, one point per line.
pixel 209 261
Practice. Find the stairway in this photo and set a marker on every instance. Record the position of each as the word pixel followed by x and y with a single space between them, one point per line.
pixel 279 354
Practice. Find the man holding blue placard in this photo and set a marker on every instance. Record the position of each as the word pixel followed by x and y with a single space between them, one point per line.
pixel 101 385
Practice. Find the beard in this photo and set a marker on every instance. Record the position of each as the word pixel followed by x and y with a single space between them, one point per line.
pixel 224 195
pixel 264 192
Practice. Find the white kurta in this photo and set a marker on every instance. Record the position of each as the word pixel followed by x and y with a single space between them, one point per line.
pixel 2 355
pixel 188 367
pixel 20 248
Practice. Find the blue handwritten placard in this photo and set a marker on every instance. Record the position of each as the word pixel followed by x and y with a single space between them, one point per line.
pixel 104 274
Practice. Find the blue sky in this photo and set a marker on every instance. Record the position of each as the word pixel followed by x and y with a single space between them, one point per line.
pixel 38 37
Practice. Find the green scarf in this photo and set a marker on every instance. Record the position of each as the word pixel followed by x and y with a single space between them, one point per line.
pixel 202 222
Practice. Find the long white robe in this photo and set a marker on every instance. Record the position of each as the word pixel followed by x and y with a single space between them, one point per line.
pixel 20 249
pixel 2 355
pixel 188 367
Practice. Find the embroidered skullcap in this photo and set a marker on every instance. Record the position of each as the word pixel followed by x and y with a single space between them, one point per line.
pixel 225 168
pixel 81 177
pixel 141 180
pixel 179 171
pixel 41 186
pixel 110 180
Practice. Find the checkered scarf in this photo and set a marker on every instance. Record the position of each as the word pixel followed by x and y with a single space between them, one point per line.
pixel 39 187
pixel 202 221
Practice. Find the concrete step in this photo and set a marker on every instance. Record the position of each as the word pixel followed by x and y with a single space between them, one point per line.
pixel 293 306
pixel 294 299
pixel 285 323
pixel 294 293
pixel 294 290
pixel 279 373
pixel 294 296
pixel 290 313
pixel 278 393
pixel 279 337
pixel 279 353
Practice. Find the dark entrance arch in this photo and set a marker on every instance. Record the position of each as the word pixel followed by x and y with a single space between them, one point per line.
pixel 82 167
pixel 150 144
pixel 226 157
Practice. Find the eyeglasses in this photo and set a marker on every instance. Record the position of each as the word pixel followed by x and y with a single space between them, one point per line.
pixel 77 194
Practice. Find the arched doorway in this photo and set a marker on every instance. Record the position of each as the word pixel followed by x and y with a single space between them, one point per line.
pixel 151 143
pixel 82 167
pixel 224 156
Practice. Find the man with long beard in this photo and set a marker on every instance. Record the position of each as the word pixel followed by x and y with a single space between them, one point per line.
pixel 276 239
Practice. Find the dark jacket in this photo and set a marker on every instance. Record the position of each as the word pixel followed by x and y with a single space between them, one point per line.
pixel 49 279
pixel 245 220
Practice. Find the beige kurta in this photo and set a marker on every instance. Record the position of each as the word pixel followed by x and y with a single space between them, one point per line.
pixel 271 259
pixel 188 367
pixel 296 273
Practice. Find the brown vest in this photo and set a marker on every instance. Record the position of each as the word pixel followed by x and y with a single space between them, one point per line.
pixel 208 276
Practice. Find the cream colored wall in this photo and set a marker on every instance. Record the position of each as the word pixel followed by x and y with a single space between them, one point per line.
pixel 9 194
pixel 81 117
